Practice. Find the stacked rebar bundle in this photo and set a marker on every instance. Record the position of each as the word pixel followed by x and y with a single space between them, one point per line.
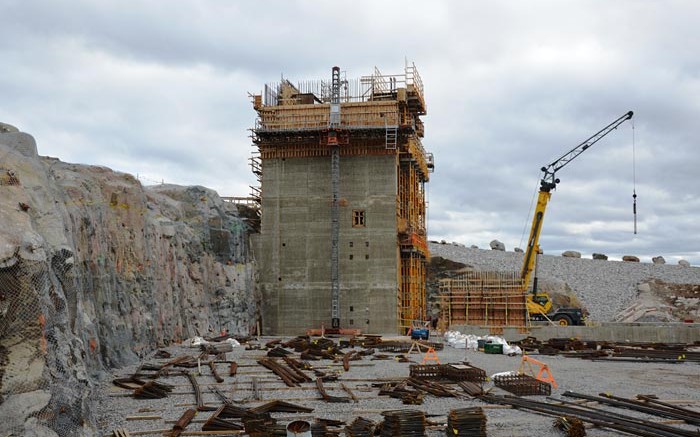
pixel 433 388
pixel 291 376
pixel 403 423
pixel 659 354
pixel 450 372
pixel 259 424
pixel 399 391
pixel 360 427
pixel 278 406
pixel 217 423
pixel 152 390
pixel 466 422
pixel 571 425
pixel 522 385
pixel 471 388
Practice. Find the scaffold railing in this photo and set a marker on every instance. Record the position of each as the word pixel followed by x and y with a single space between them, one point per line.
pixel 366 88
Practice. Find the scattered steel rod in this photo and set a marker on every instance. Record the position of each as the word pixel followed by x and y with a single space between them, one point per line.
pixel 326 397
pixel 472 388
pixel 214 373
pixel 296 367
pixel 432 387
pixel 631 404
pixel 348 391
pixel 290 376
pixel 197 392
pixel 182 422
pixel 652 399
pixel 631 425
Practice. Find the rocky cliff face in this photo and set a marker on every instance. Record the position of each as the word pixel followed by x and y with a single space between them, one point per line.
pixel 96 270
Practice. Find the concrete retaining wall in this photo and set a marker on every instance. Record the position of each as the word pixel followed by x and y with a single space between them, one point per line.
pixel 618 332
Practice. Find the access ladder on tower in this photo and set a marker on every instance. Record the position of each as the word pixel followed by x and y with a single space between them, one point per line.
pixel 392 135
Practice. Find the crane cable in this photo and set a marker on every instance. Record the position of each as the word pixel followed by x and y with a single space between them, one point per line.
pixel 634 182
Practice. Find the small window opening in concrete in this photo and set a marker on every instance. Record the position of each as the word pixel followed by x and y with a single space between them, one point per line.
pixel 367 256
pixel 352 322
pixel 279 279
pixel 351 244
pixel 350 256
pixel 366 243
pixel 358 218
pixel 351 308
pixel 284 244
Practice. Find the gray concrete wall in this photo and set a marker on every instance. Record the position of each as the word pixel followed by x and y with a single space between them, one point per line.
pixel 294 244
pixel 617 332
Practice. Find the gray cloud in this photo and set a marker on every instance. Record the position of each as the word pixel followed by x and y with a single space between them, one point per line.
pixel 159 89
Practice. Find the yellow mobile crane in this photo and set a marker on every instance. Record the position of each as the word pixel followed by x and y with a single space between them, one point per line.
pixel 539 305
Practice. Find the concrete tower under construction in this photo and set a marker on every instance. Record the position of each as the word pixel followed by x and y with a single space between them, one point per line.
pixel 342 175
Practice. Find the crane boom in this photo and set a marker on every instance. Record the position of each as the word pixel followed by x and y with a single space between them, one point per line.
pixel 549 180
pixel 547 184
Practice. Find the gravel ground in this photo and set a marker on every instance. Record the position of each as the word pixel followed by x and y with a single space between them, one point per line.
pixel 668 381
pixel 603 287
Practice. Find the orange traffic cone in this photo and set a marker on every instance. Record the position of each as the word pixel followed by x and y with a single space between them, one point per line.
pixel 431 356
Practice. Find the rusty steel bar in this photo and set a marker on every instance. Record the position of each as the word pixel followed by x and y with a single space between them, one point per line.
pixel 182 422
pixel 631 425
pixel 278 370
pixel 326 397
pixel 214 373
pixel 630 404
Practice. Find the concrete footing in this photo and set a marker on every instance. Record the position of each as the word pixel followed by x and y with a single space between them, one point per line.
pixel 688 333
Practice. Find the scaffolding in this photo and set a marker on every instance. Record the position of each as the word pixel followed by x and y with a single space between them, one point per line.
pixel 378 115
pixel 494 299
pixel 374 87
pixel 412 300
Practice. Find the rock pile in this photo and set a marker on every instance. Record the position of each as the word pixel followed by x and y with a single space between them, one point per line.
pixel 497 245
pixel 604 288
pixel 571 254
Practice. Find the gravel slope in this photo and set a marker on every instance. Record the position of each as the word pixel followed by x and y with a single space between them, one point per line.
pixel 604 287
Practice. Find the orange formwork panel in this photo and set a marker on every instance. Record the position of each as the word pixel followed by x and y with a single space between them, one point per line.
pixel 483 298
pixel 411 300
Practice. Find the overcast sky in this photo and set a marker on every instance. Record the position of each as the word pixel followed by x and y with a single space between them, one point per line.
pixel 159 89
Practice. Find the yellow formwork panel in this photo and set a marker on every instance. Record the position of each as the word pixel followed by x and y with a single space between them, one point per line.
pixel 412 301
